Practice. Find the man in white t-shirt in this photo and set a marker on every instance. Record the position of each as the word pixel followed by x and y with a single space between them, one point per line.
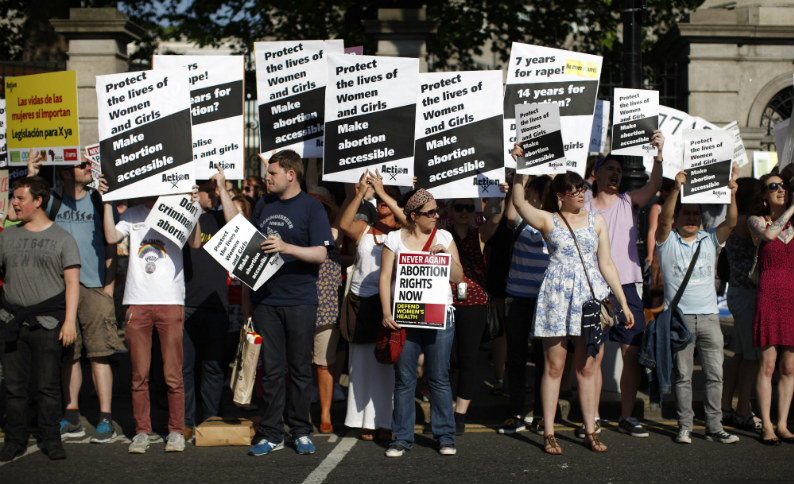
pixel 155 293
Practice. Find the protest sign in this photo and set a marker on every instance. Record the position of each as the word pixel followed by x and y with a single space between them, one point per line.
pixel 41 114
pixel 216 100
pixel 570 79
pixel 370 107
pixel 421 290
pixel 708 156
pixel 672 124
pixel 600 130
pixel 3 145
pixel 538 132
pixel 236 247
pixel 700 123
pixel 290 88
pixel 174 216
pixel 763 162
pixel 458 150
pixel 92 154
pixel 634 119
pixel 739 153
pixel 784 143
pixel 145 139
pixel 3 194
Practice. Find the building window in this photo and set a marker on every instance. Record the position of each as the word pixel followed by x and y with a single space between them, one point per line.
pixel 777 110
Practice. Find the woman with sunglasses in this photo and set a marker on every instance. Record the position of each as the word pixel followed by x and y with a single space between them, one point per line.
pixel 421 211
pixel 565 288
pixel 369 397
pixel 471 302
pixel 773 327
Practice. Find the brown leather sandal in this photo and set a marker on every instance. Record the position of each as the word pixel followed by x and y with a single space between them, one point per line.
pixel 591 440
pixel 552 447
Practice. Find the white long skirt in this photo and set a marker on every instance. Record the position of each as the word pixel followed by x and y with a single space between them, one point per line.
pixel 370 395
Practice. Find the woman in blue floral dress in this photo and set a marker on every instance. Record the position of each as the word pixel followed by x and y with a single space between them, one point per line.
pixel 564 289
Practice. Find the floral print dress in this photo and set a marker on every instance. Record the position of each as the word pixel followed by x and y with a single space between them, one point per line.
pixel 564 287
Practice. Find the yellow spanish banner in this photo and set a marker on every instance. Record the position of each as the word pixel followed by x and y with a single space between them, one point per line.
pixel 41 114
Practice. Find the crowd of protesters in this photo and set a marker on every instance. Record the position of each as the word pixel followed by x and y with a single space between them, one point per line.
pixel 528 260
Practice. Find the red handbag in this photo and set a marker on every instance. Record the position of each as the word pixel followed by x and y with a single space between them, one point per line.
pixel 389 343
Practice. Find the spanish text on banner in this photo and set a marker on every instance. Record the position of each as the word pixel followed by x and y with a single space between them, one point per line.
pixel 216 108
pixel 145 133
pixel 41 114
pixel 458 150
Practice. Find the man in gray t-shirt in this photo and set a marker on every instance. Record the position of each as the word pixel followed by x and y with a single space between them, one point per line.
pixel 41 264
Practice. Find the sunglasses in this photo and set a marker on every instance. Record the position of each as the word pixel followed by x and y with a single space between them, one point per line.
pixel 459 207
pixel 576 192
pixel 774 186
pixel 83 164
pixel 429 213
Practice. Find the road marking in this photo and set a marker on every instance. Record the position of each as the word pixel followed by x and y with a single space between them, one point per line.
pixel 333 459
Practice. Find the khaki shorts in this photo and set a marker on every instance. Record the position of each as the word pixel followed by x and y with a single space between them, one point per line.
pixel 97 329
pixel 325 341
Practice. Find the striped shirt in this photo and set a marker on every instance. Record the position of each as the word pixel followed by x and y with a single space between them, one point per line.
pixel 528 264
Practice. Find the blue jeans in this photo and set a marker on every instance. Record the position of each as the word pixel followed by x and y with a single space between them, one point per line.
pixel 203 342
pixel 287 343
pixel 436 345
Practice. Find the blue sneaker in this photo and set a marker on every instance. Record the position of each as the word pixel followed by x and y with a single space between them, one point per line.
pixel 304 445
pixel 104 432
pixel 264 446
pixel 70 430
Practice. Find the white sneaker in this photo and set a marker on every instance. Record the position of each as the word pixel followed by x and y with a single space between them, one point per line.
pixel 175 442
pixel 722 437
pixel 684 436
pixel 395 450
pixel 139 444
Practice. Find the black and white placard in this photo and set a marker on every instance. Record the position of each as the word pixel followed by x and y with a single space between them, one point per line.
pixel 236 247
pixel 144 133
pixel 92 153
pixel 458 151
pixel 175 217
pixel 370 111
pixel 600 131
pixel 290 88
pixel 634 119
pixel 538 132
pixel 421 290
pixel 739 151
pixel 708 156
pixel 3 143
pixel 570 79
pixel 216 108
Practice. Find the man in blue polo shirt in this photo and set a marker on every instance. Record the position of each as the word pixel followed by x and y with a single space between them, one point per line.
pixel 698 304
pixel 284 309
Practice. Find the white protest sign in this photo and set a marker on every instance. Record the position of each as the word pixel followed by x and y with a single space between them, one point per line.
pixel 784 142
pixel 634 119
pixel 672 124
pixel 708 156
pixel 290 88
pixel 3 144
pixel 421 290
pixel 236 247
pixel 570 79
pixel 216 99
pixel 739 153
pixel 538 132
pixel 600 130
pixel 763 162
pixel 174 216
pixel 700 123
pixel 370 112
pixel 458 150
pixel 145 137
pixel 92 154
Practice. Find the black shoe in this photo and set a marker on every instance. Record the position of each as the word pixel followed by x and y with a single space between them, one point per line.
pixel 55 451
pixel 460 423
pixel 11 450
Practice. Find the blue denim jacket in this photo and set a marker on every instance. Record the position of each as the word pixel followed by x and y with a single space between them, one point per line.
pixel 663 336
